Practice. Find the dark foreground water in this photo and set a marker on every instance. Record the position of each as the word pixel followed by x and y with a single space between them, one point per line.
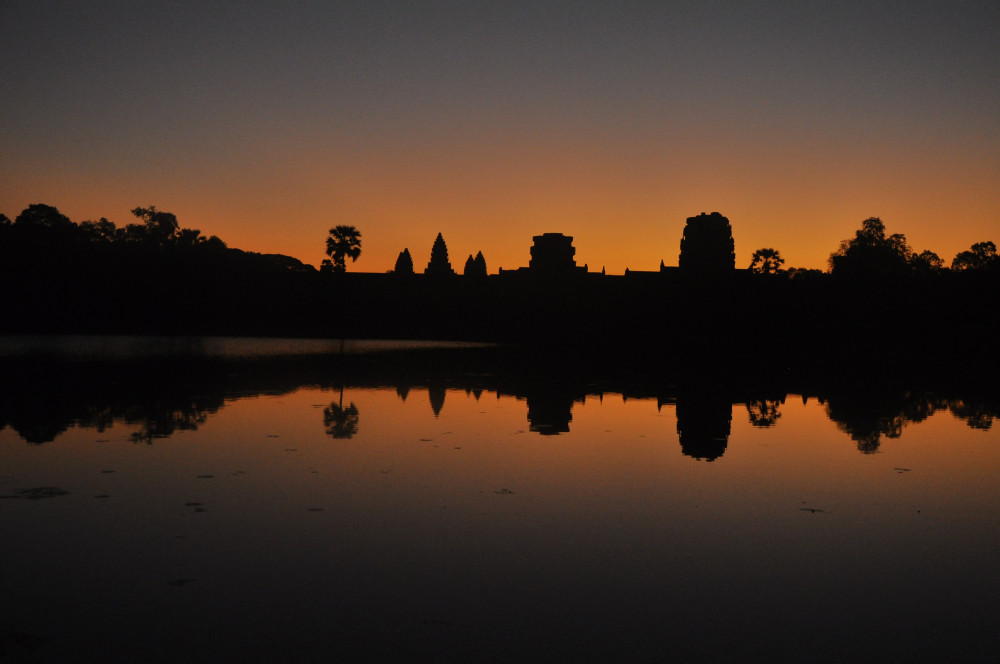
pixel 238 501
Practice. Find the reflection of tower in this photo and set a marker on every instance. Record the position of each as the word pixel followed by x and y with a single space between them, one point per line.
pixel 549 413
pixel 703 424
pixel 436 393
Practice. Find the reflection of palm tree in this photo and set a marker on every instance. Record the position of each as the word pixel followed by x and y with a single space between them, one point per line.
pixel 763 412
pixel 341 422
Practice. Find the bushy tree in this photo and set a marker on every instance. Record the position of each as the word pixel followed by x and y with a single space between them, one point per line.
pixel 981 256
pixel 44 228
pixel 41 216
pixel 872 253
pixel 404 263
pixel 766 261
pixel 927 262
pixel 439 263
pixel 6 232
pixel 707 245
pixel 102 230
pixel 342 242
pixel 161 228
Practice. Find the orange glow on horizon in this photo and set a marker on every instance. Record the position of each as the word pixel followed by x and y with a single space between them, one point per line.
pixel 624 208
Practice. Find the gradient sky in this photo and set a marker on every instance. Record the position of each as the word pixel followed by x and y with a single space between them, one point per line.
pixel 266 123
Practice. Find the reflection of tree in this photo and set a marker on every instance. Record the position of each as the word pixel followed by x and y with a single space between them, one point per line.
pixel 39 431
pixel 162 421
pixel 868 416
pixel 40 422
pixel 763 412
pixel 976 415
pixel 341 422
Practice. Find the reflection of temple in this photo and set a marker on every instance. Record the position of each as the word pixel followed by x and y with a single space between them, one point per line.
pixel 436 394
pixel 549 413
pixel 703 424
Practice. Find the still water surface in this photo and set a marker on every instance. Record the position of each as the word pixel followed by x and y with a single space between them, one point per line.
pixel 434 517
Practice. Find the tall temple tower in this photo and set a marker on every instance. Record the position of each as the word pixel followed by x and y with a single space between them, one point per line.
pixel 553 253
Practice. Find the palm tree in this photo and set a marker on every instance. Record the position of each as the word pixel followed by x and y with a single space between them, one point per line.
pixel 344 241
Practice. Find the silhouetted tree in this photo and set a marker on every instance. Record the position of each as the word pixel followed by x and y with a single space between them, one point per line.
pixel 99 231
pixel 6 226
pixel 160 227
pixel 871 253
pixel 45 232
pixel 927 262
pixel 707 245
pixel 342 242
pixel 803 273
pixel 439 263
pixel 404 263
pixel 981 256
pixel 41 216
pixel 766 261
pixel 189 237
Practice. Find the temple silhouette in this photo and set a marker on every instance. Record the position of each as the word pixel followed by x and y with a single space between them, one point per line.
pixel 880 303
pixel 552 255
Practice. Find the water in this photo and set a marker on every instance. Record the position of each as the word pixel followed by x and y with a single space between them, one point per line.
pixel 297 507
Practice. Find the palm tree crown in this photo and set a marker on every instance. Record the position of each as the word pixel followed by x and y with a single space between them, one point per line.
pixel 343 241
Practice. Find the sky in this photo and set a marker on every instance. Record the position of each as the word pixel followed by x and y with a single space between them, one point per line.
pixel 268 123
